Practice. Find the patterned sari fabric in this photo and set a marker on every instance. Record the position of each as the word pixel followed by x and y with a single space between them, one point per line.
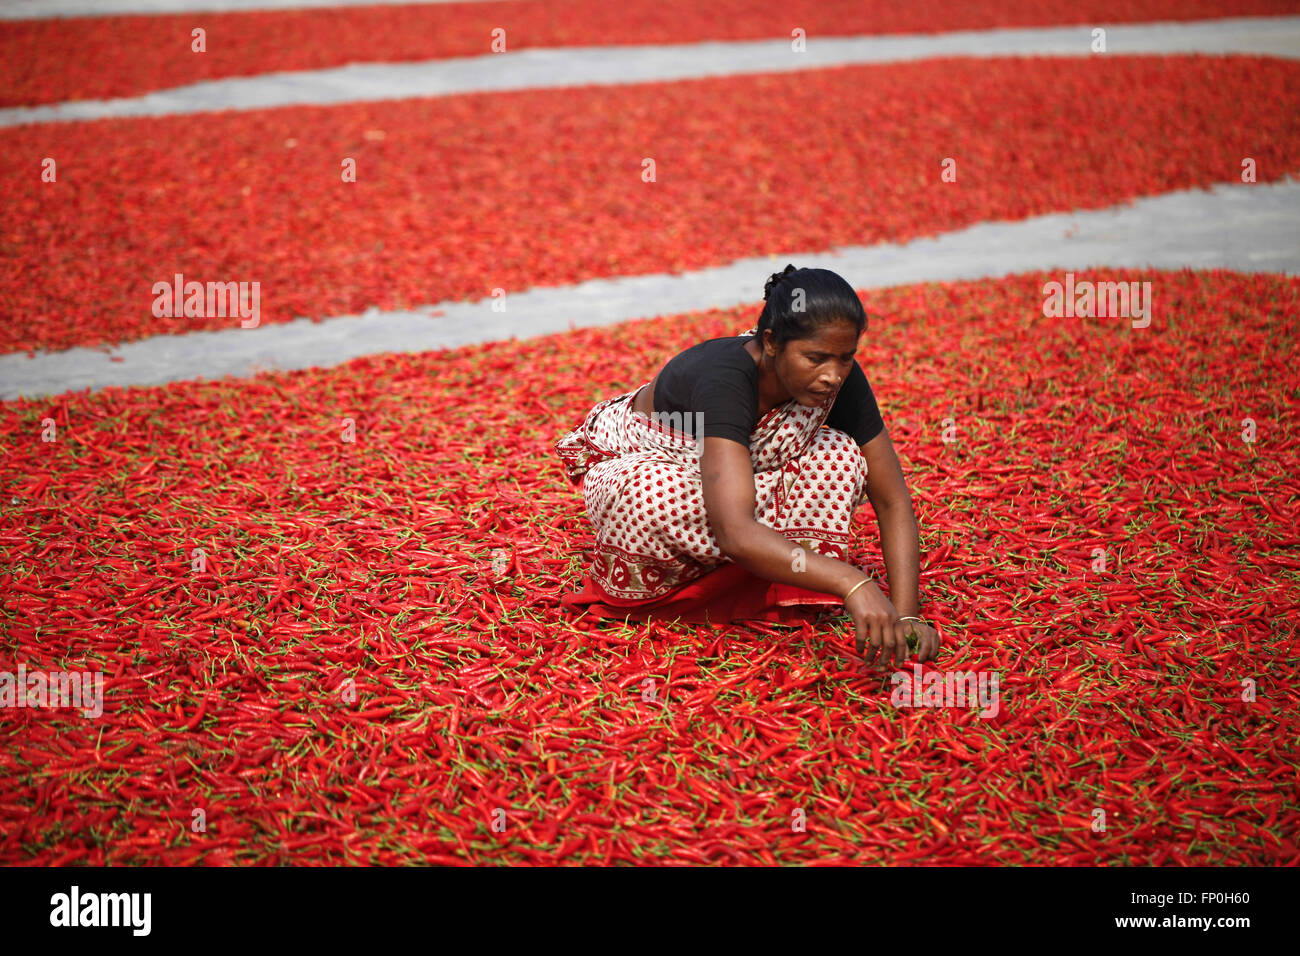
pixel 641 483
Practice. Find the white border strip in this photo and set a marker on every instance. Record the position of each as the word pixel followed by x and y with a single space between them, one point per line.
pixel 1244 228
pixel 550 67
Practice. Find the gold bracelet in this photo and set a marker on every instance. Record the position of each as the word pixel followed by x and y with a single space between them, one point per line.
pixel 913 641
pixel 855 587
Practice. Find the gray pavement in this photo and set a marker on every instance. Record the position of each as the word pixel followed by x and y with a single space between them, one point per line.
pixel 1251 228
pixel 611 65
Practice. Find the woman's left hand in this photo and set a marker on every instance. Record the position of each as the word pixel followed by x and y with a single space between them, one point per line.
pixel 921 639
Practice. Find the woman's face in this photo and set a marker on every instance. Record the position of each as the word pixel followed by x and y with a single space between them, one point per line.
pixel 813 369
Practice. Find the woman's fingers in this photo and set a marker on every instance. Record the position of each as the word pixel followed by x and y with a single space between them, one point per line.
pixel 889 632
pixel 934 644
pixel 898 630
pixel 883 629
pixel 876 642
pixel 929 643
pixel 862 635
pixel 885 635
pixel 887 641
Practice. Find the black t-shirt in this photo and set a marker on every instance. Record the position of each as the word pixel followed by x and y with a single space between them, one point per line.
pixel 717 381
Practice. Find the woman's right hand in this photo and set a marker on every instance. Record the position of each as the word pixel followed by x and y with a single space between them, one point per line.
pixel 874 618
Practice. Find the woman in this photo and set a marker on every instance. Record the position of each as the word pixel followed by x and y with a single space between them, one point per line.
pixel 720 469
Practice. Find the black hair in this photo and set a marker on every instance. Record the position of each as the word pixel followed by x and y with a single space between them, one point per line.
pixel 825 298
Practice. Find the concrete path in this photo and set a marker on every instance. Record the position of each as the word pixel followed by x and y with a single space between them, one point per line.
pixel 1251 228
pixel 612 65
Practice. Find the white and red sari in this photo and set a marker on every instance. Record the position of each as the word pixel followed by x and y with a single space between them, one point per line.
pixel 655 555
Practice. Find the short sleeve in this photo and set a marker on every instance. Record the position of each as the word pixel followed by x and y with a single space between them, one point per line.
pixel 855 410
pixel 724 398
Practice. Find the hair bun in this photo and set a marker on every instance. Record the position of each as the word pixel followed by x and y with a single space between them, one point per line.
pixel 776 278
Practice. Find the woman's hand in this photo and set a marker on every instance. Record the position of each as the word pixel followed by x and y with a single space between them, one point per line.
pixel 728 487
pixel 883 634
pixel 877 624
pixel 927 639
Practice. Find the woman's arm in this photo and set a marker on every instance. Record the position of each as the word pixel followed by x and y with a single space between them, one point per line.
pixel 729 496
pixel 899 541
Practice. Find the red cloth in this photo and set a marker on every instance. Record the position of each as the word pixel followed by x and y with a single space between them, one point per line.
pixel 728 593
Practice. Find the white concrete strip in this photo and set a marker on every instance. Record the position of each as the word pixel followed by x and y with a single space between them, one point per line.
pixel 52 9
pixel 1252 228
pixel 550 67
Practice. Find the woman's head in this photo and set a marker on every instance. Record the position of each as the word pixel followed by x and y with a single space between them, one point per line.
pixel 809 330
pixel 799 301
